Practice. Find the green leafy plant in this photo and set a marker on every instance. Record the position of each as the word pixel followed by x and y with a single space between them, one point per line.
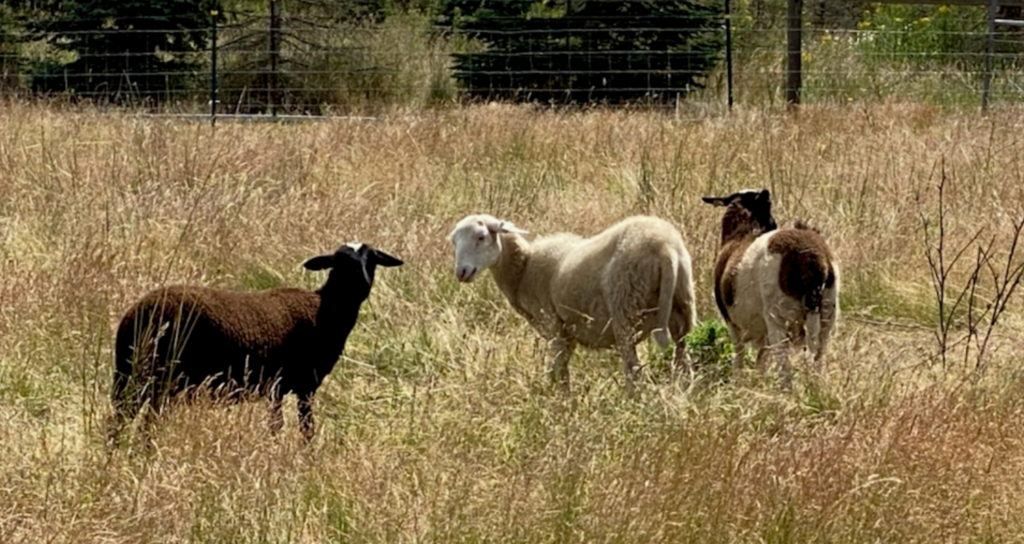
pixel 711 349
pixel 924 36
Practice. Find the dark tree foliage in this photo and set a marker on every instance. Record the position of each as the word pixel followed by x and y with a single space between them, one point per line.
pixel 14 17
pixel 9 58
pixel 127 50
pixel 586 51
pixel 339 11
pixel 316 54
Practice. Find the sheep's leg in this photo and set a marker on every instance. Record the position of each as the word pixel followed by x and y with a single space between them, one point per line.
pixel 739 348
pixel 630 365
pixel 738 357
pixel 562 349
pixel 126 406
pixel 124 412
pixel 778 342
pixel 156 396
pixel 819 354
pixel 306 416
pixel 819 351
pixel 153 412
pixel 684 320
pixel 762 358
pixel 814 329
pixel 115 425
pixel 682 362
pixel 625 340
pixel 785 370
pixel 828 320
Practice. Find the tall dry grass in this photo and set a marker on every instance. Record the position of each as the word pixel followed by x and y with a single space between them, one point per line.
pixel 438 425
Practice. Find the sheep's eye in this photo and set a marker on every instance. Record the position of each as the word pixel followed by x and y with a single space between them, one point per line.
pixel 481 237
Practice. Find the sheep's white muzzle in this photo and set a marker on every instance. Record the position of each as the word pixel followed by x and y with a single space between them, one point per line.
pixel 466 274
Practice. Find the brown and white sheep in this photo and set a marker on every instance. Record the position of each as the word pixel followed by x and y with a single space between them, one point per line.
pixel 774 287
pixel 264 344
pixel 615 288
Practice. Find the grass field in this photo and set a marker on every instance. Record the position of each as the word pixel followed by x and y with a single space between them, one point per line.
pixel 438 424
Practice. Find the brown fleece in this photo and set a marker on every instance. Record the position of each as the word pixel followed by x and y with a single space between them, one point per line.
pixel 226 335
pixel 806 267
pixel 738 232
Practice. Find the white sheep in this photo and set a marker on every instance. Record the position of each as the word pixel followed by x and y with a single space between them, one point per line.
pixel 774 288
pixel 632 280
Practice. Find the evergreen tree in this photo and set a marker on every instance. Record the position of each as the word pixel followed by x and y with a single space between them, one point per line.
pixel 586 50
pixel 125 49
pixel 12 33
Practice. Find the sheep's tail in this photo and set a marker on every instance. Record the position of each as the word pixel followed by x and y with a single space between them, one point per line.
pixel 666 296
pixel 814 303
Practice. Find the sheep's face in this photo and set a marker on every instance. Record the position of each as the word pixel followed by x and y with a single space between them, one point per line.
pixel 354 261
pixel 477 244
pixel 748 212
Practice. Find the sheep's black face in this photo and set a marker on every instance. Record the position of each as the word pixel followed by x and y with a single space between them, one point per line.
pixel 355 262
pixel 755 208
pixel 760 207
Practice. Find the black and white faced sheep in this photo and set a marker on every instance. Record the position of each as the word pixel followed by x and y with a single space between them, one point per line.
pixel 774 287
pixel 613 289
pixel 264 344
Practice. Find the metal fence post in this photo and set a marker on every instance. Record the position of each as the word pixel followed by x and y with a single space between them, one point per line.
pixel 728 51
pixel 213 67
pixel 993 9
pixel 794 30
pixel 275 54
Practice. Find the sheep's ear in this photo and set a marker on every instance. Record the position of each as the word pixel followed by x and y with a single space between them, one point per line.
pixel 507 226
pixel 499 225
pixel 383 259
pixel 764 196
pixel 320 262
pixel 717 200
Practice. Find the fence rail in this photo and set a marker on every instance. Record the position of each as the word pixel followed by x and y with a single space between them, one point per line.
pixel 298 66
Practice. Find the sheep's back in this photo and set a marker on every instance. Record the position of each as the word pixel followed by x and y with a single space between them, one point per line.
pixel 619 266
pixel 250 319
pixel 209 330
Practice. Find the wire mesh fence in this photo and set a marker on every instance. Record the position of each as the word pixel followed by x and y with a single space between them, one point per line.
pixel 281 62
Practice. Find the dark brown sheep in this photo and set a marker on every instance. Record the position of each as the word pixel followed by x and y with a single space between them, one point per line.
pixel 263 344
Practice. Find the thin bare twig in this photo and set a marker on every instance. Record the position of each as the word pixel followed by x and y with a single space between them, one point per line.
pixel 1000 276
